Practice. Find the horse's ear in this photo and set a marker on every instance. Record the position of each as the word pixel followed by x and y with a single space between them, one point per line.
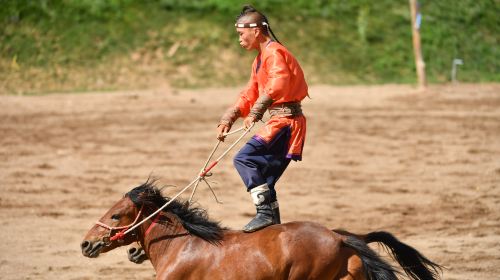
pixel 142 197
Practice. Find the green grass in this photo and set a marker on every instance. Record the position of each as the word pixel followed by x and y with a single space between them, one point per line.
pixel 68 45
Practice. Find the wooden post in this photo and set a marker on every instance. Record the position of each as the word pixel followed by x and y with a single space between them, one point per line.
pixel 417 50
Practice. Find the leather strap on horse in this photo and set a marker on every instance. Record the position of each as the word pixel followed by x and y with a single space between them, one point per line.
pixel 156 219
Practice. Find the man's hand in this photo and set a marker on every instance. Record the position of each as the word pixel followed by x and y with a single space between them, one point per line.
pixel 248 121
pixel 221 130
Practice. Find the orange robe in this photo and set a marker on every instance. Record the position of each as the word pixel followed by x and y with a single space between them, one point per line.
pixel 277 73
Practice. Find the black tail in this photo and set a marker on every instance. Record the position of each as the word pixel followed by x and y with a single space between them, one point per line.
pixel 375 268
pixel 414 264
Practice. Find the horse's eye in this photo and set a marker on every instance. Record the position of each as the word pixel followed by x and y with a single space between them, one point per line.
pixel 115 217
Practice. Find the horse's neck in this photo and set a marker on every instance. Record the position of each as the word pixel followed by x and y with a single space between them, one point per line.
pixel 166 233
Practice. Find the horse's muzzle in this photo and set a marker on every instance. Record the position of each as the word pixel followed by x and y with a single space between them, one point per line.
pixel 136 255
pixel 91 249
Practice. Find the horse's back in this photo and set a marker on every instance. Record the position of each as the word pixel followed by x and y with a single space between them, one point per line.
pixel 295 250
pixel 313 249
pixel 318 253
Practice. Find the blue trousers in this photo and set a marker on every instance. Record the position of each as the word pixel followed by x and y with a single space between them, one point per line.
pixel 259 163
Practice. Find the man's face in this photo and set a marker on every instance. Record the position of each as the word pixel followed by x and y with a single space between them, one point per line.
pixel 248 37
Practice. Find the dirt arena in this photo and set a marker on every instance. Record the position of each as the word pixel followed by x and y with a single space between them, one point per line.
pixel 424 166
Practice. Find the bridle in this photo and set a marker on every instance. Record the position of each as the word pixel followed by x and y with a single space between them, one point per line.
pixel 119 235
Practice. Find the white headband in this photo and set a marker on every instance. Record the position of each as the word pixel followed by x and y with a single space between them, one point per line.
pixel 250 25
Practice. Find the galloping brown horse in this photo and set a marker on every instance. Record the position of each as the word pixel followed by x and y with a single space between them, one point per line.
pixel 182 243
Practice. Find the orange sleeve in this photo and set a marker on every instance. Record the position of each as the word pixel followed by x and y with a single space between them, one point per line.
pixel 278 76
pixel 249 95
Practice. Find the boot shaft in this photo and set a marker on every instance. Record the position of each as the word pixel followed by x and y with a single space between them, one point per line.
pixel 276 212
pixel 261 195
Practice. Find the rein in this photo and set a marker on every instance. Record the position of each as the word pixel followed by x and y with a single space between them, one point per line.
pixel 157 218
pixel 200 177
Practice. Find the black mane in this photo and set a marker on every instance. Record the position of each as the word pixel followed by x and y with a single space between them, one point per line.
pixel 195 220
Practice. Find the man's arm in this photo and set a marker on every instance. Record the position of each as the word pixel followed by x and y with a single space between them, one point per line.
pixel 245 101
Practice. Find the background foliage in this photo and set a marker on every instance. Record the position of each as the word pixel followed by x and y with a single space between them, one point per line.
pixel 68 45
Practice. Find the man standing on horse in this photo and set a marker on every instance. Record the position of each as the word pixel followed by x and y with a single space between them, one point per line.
pixel 276 84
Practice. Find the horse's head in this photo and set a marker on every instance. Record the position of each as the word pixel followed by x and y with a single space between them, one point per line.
pixel 120 217
pixel 111 230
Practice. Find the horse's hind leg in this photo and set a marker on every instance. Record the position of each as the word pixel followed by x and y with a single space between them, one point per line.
pixel 352 269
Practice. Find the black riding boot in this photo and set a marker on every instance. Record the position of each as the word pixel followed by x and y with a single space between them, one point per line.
pixel 267 211
pixel 276 212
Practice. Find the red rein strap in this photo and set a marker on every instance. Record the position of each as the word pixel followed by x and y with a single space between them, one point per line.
pixel 152 224
pixel 206 170
pixel 118 235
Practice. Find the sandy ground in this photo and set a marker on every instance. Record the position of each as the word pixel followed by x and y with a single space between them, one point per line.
pixel 424 166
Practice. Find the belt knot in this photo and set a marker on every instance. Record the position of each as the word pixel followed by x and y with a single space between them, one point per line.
pixel 289 109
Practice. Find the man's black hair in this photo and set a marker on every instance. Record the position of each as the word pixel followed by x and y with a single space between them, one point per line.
pixel 258 17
